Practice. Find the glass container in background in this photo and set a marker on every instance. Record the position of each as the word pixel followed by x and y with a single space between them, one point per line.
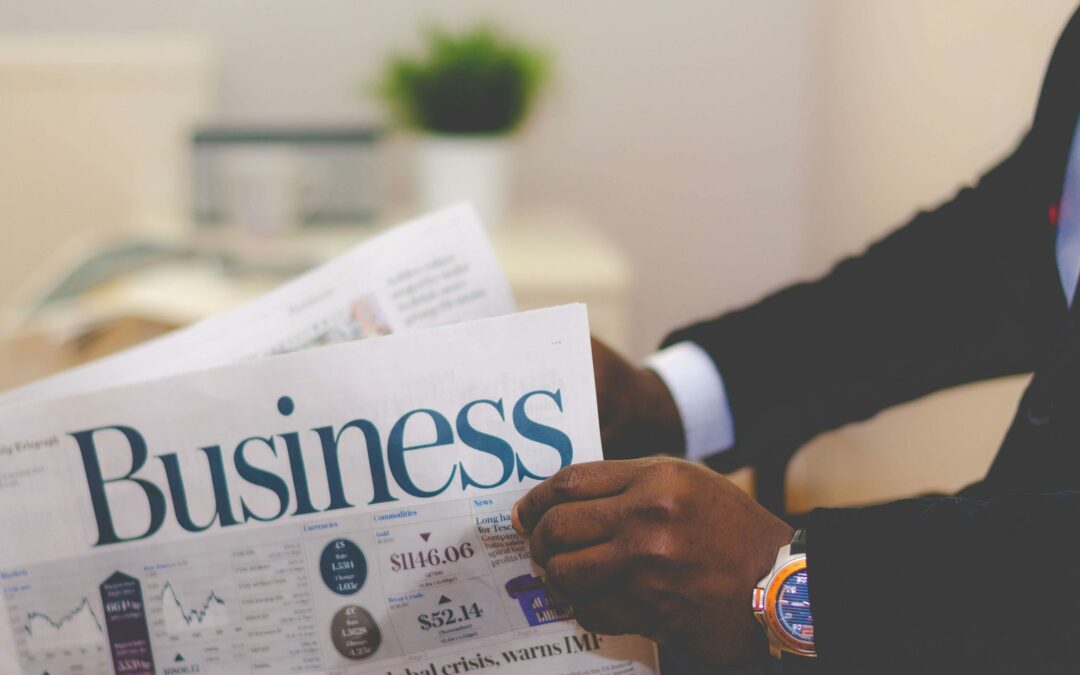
pixel 272 182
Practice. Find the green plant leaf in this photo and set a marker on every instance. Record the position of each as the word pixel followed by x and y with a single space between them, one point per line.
pixel 475 82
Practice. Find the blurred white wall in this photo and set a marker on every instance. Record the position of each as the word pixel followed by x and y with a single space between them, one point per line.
pixel 93 135
pixel 679 127
pixel 913 98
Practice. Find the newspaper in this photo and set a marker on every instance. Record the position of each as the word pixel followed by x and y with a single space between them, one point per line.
pixel 432 271
pixel 335 510
pixel 343 509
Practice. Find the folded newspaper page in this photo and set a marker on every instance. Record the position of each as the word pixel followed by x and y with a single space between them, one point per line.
pixel 432 271
pixel 343 509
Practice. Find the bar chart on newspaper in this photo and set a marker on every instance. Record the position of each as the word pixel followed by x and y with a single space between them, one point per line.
pixel 344 509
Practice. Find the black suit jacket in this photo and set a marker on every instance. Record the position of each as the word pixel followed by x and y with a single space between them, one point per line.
pixel 987 581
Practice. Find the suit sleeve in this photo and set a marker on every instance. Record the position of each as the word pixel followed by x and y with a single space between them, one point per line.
pixel 947 585
pixel 965 292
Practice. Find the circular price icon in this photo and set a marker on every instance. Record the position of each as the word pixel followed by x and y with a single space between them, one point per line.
pixel 354 633
pixel 343 567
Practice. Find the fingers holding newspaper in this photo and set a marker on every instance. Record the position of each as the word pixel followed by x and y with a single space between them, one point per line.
pixel 658 547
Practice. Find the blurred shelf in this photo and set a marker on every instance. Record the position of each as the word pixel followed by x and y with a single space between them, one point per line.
pixel 550 257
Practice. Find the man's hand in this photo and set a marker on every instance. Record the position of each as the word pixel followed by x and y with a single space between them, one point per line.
pixel 659 547
pixel 638 416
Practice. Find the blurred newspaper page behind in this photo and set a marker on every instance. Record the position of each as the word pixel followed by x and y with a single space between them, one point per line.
pixel 336 510
pixel 435 270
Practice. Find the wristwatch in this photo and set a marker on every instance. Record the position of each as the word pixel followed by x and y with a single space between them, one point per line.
pixel 782 604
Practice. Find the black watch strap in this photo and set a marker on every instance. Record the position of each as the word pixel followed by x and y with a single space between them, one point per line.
pixel 798 543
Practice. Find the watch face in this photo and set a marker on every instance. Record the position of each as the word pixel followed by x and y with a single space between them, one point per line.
pixel 793 608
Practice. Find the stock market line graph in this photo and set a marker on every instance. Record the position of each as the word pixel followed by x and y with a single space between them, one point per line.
pixel 206 613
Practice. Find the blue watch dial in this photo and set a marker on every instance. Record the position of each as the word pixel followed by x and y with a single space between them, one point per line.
pixel 793 608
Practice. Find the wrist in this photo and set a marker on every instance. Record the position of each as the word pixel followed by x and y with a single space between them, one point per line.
pixel 778 535
pixel 696 389
pixel 660 423
pixel 770 541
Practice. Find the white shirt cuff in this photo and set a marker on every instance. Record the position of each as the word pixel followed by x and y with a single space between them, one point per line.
pixel 698 389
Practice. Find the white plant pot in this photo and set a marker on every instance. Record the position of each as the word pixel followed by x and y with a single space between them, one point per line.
pixel 452 169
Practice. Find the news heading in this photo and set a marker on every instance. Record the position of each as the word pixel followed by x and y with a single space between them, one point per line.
pixel 294 490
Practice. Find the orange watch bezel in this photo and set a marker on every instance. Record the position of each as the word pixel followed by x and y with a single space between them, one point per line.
pixel 789 642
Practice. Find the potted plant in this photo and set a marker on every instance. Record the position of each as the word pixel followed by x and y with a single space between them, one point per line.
pixel 466 94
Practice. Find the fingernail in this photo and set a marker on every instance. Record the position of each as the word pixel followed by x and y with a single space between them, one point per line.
pixel 515 520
